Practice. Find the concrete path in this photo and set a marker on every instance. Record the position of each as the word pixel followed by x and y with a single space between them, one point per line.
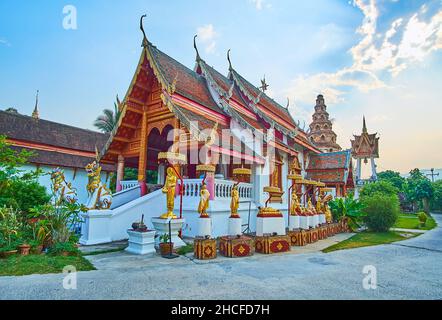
pixel 407 270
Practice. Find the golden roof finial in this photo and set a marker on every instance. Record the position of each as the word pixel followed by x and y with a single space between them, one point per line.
pixel 142 30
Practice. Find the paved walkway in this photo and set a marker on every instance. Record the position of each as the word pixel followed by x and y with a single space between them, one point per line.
pixel 406 270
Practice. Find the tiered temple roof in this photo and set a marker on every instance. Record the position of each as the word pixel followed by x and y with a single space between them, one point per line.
pixel 321 128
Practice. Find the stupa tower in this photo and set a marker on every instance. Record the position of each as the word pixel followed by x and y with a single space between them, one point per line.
pixel 321 129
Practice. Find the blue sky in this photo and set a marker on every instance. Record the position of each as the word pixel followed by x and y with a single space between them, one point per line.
pixel 379 58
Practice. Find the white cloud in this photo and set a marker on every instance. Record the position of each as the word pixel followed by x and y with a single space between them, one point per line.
pixel 5 42
pixel 208 35
pixel 407 41
pixel 260 4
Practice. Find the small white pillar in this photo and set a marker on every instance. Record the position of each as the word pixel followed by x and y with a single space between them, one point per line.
pixel 204 227
pixel 304 222
pixel 235 225
pixel 141 243
pixel 162 226
pixel 270 225
pixel 294 223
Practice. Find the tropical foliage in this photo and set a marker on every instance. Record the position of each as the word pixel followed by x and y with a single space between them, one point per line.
pixel 348 208
pixel 107 121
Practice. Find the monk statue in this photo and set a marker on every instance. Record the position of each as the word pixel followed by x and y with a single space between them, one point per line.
pixel 234 203
pixel 310 208
pixel 204 202
pixel 295 207
pixel 169 189
pixel 327 211
pixel 319 206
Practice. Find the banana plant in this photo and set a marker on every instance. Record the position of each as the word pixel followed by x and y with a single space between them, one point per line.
pixel 347 208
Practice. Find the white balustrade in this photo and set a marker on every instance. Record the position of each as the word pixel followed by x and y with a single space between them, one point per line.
pixel 128 184
pixel 223 189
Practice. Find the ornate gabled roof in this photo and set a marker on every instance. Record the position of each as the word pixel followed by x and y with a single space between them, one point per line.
pixel 365 145
pixel 333 167
pixel 226 90
pixel 257 97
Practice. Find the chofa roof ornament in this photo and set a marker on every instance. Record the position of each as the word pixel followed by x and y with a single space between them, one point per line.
pixel 144 44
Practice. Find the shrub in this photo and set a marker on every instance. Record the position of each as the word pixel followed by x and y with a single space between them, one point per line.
pixel 422 216
pixel 381 211
pixel 348 208
pixel 23 195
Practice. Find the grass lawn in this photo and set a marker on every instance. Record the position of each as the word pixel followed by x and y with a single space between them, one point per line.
pixel 40 264
pixel 365 239
pixel 410 221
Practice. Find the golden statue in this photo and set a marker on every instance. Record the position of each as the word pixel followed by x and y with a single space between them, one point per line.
pixel 169 189
pixel 204 202
pixel 319 206
pixel 310 208
pixel 234 203
pixel 275 177
pixel 295 207
pixel 327 211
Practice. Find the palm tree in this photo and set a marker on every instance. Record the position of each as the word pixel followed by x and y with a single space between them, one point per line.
pixel 107 121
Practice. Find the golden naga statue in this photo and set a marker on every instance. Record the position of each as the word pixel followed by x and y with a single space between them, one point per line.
pixel 204 202
pixel 100 197
pixel 234 203
pixel 295 207
pixel 169 189
pixel 62 190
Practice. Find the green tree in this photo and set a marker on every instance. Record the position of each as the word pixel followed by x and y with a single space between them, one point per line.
pixel 107 121
pixel 394 178
pixel 381 187
pixel 419 189
pixel 436 203
pixel 18 189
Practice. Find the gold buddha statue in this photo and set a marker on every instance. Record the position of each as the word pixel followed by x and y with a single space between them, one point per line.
pixel 204 202
pixel 234 203
pixel 169 189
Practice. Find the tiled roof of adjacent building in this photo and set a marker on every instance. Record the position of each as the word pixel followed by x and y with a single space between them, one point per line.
pixel 54 143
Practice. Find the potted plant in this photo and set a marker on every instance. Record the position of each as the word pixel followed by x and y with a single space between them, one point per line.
pixel 422 216
pixel 24 249
pixel 166 247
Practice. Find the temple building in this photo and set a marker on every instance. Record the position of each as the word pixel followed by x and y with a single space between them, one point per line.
pixel 334 169
pixel 321 129
pixel 54 145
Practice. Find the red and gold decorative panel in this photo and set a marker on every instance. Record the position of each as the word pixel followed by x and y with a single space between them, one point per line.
pixel 298 238
pixel 236 247
pixel 322 233
pixel 204 249
pixel 272 244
